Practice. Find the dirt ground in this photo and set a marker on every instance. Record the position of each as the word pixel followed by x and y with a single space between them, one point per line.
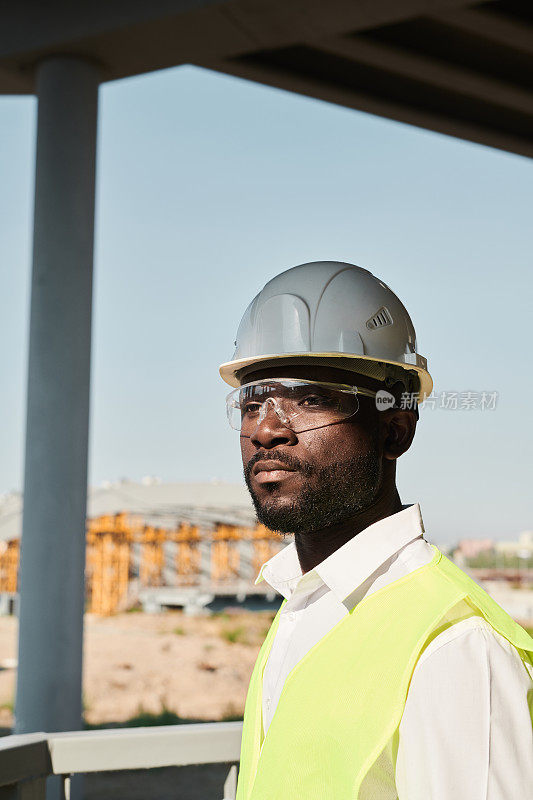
pixel 139 664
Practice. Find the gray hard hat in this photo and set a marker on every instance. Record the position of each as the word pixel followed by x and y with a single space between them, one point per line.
pixel 331 313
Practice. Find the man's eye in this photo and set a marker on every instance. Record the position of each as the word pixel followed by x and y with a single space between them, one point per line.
pixel 315 401
pixel 251 408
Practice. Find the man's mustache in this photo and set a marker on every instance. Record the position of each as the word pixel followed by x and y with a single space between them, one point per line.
pixel 289 461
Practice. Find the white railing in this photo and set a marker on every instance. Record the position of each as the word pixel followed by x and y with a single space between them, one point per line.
pixel 27 760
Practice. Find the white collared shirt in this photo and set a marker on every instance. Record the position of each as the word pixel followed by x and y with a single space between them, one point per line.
pixel 466 730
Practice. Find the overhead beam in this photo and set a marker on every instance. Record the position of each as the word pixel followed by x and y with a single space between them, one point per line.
pixel 492 26
pixel 282 77
pixel 278 23
pixel 29 25
pixel 430 71
pixel 127 38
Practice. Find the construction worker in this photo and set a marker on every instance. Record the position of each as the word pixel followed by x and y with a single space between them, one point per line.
pixel 387 672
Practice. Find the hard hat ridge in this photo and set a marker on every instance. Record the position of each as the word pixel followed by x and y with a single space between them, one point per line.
pixel 332 313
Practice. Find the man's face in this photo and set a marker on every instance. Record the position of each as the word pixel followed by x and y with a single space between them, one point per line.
pixel 300 482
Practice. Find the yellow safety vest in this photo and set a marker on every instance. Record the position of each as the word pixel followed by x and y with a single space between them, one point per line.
pixel 345 698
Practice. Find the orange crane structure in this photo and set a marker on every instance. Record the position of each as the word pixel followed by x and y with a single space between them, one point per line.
pixel 9 561
pixel 124 555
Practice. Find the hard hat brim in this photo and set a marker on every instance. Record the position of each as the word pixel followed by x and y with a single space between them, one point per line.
pixel 228 370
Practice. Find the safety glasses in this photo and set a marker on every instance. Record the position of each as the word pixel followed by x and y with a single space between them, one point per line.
pixel 298 404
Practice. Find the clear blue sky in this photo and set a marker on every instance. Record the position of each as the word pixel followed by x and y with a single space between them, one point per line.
pixel 207 187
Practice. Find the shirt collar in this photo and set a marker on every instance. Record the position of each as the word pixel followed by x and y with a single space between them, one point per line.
pixel 346 568
pixel 282 571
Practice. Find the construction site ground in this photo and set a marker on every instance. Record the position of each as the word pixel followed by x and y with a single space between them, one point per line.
pixel 148 669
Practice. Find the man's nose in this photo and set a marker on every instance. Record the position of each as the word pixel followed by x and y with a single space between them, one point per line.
pixel 272 428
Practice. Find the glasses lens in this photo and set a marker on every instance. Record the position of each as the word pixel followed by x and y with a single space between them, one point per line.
pixel 312 406
pixel 302 405
pixel 234 413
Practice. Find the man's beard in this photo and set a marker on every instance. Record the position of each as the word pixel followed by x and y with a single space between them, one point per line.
pixel 335 494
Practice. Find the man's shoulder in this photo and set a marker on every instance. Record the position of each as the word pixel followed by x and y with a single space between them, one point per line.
pixel 467 638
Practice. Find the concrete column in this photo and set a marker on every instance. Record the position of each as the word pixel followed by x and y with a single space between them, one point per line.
pixel 55 481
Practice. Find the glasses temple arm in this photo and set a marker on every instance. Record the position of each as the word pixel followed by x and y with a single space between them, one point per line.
pixel 366 392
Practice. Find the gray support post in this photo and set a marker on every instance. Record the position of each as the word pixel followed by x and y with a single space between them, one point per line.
pixel 55 481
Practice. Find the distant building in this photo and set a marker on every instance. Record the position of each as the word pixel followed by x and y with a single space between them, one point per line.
pixel 156 502
pixel 525 540
pixel 472 548
pixel 522 548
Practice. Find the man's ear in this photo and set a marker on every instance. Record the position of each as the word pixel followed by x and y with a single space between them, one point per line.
pixel 399 430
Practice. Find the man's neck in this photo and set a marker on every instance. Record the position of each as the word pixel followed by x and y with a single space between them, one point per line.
pixel 314 547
